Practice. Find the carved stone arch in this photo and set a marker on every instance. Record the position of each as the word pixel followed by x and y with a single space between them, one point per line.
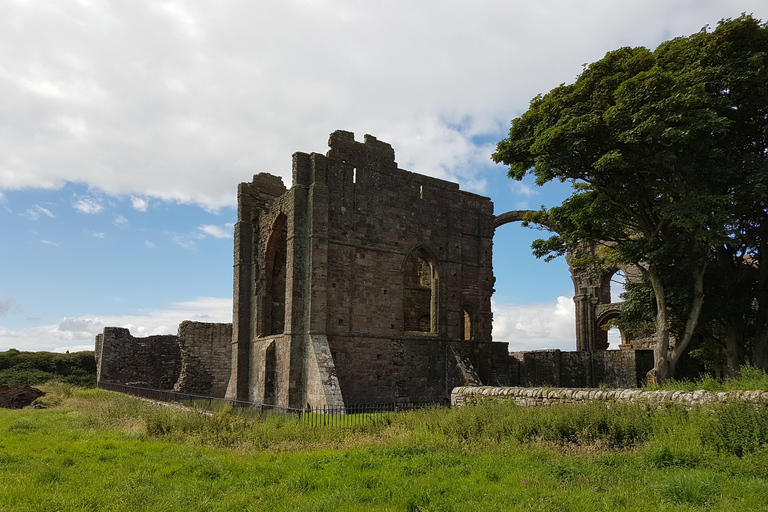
pixel 604 314
pixel 275 259
pixel 507 217
pixel 421 285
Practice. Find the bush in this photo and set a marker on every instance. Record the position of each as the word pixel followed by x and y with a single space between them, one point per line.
pixel 34 368
pixel 737 427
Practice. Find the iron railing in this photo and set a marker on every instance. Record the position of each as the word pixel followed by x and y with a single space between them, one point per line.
pixel 342 416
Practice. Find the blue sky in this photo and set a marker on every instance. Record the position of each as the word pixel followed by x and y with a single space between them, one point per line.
pixel 125 128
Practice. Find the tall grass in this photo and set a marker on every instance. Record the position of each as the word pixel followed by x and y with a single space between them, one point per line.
pixel 98 450
pixel 748 378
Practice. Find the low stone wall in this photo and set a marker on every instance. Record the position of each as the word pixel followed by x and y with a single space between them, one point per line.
pixel 470 395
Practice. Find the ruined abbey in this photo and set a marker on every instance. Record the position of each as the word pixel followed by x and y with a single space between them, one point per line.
pixel 363 283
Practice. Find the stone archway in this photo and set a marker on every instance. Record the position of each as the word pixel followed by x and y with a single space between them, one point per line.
pixel 592 292
pixel 420 286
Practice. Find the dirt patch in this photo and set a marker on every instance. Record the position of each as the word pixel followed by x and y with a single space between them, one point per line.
pixel 18 396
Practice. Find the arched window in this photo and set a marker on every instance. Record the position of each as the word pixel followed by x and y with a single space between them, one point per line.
pixel 468 333
pixel 275 257
pixel 420 287
pixel 270 374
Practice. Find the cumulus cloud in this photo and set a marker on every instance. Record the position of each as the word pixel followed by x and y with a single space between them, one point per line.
pixel 181 101
pixel 536 326
pixel 218 231
pixel 149 244
pixel 139 204
pixel 121 221
pixel 78 333
pixel 88 205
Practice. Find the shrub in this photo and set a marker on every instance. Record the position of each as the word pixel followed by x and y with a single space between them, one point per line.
pixel 34 368
pixel 737 427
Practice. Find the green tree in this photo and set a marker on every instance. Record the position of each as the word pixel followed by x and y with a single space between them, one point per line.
pixel 666 150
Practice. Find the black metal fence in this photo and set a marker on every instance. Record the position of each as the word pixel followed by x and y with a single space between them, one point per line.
pixel 342 416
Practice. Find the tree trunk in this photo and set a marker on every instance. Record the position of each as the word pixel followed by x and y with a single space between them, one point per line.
pixel 693 317
pixel 760 349
pixel 665 358
pixel 660 371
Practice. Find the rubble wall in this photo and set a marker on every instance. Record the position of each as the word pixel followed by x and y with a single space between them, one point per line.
pixel 206 358
pixel 611 368
pixel 152 362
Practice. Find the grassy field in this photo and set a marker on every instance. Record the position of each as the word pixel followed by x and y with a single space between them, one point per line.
pixel 93 450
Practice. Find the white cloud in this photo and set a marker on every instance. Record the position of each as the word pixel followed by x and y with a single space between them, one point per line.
pixel 536 326
pixel 139 204
pixel 218 231
pixel 185 242
pixel 149 244
pixel 7 304
pixel 121 221
pixel 78 333
pixel 98 235
pixel 518 187
pixel 36 211
pixel 88 205
pixel 181 102
pixel 48 242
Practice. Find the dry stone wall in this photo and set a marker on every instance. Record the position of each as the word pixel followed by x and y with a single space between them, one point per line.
pixel 547 396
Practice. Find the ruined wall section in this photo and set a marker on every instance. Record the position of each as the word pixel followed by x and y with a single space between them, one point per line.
pixel 378 216
pixel 612 368
pixel 350 286
pixel 206 358
pixel 371 224
pixel 251 316
pixel 152 362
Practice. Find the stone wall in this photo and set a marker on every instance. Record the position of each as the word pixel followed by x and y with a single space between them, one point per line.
pixel 151 362
pixel 612 368
pixel 197 360
pixel 547 396
pixel 206 358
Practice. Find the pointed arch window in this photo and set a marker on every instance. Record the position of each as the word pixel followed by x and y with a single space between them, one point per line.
pixel 420 287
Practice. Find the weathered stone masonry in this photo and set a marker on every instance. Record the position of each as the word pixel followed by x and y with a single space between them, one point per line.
pixel 196 360
pixel 362 283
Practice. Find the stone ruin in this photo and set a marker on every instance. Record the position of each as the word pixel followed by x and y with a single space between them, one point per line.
pixel 363 283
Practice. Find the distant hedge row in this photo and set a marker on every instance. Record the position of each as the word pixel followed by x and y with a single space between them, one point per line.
pixel 78 368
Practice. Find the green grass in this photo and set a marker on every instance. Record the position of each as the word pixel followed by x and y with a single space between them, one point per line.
pixel 93 450
pixel 749 378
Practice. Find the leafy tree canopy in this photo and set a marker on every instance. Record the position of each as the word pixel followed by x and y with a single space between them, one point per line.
pixel 668 153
